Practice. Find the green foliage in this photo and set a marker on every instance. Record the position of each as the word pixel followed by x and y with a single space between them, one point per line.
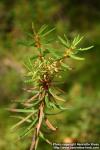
pixel 72 46
pixel 42 71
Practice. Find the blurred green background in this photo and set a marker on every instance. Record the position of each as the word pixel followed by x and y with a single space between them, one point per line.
pixel 81 122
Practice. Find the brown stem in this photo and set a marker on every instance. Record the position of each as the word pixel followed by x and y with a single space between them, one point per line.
pixel 37 130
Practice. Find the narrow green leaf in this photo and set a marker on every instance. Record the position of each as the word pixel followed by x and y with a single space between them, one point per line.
pixel 32 98
pixel 36 103
pixel 52 105
pixel 76 58
pixel 47 113
pixel 29 128
pixel 55 96
pixel 45 139
pixel 77 40
pixel 49 104
pixel 68 43
pixel 63 41
pixel 25 133
pixel 20 118
pixel 33 28
pixel 60 107
pixel 47 101
pixel 23 110
pixel 23 120
pixel 84 49
pixel 25 43
pixel 48 32
pixel 42 29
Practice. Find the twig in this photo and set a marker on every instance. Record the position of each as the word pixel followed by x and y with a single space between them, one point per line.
pixel 36 134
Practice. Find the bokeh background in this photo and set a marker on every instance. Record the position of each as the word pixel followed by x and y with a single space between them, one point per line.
pixel 81 123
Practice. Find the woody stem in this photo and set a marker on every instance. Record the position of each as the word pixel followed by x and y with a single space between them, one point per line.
pixel 37 129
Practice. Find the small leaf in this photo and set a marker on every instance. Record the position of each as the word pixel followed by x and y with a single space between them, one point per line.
pixel 48 32
pixel 76 58
pixel 20 117
pixel 77 40
pixel 47 101
pixel 26 43
pixel 22 121
pixel 45 139
pixel 50 125
pixel 63 41
pixel 84 49
pixel 55 96
pixel 42 29
pixel 23 110
pixel 60 107
pixel 29 129
pixel 47 113
pixel 33 28
pixel 36 103
pixel 32 98
pixel 68 43
pixel 52 105
pixel 25 133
